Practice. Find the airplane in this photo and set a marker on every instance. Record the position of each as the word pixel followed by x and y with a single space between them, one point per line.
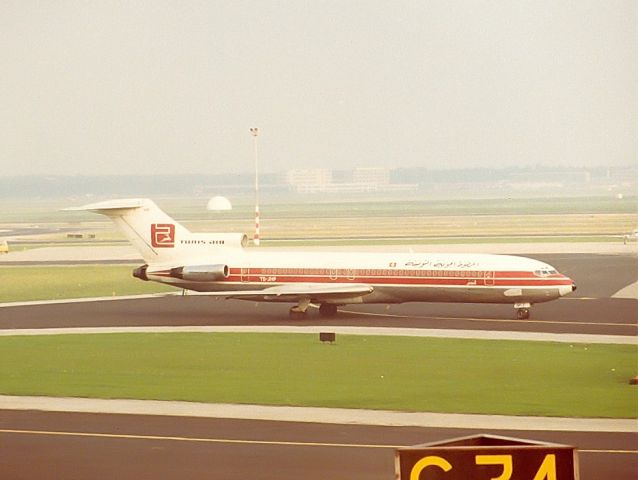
pixel 219 264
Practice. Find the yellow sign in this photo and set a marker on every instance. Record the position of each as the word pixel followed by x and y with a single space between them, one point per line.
pixel 487 458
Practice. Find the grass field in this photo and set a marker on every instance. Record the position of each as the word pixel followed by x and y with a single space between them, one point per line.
pixel 396 373
pixel 300 217
pixel 439 375
pixel 193 208
pixel 190 209
pixel 52 283
pixel 330 229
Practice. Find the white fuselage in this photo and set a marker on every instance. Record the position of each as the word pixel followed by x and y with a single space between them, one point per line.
pixel 395 277
pixel 220 264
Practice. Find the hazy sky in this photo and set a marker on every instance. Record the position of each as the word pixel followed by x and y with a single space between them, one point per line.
pixel 156 86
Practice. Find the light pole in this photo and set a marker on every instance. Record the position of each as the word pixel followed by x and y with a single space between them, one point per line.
pixel 254 131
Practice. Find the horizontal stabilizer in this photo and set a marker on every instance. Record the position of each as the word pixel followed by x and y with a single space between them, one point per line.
pixel 119 204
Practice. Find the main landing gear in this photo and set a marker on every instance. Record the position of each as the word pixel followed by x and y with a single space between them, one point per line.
pixel 522 310
pixel 327 310
pixel 299 311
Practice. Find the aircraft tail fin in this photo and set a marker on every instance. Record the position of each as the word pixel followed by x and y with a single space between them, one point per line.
pixel 151 231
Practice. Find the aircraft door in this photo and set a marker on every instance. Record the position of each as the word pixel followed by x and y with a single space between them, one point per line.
pixel 489 278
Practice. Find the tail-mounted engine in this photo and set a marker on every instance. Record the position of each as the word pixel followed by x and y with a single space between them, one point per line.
pixel 236 239
pixel 140 272
pixel 201 273
pixel 192 273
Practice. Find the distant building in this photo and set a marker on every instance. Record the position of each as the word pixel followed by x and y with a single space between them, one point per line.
pixel 378 176
pixel 364 180
pixel 309 181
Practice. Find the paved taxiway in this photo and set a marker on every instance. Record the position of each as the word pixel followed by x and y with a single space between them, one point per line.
pixel 592 309
pixel 78 446
pixel 141 446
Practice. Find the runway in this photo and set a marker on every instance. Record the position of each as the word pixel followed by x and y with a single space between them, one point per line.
pixel 141 446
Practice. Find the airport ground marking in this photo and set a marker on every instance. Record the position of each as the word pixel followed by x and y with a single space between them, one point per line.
pixel 494 320
pixel 610 451
pixel 123 436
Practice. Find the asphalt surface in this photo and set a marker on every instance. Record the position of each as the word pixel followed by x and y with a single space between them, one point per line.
pixel 598 316
pixel 141 447
pixel 589 310
pixel 77 445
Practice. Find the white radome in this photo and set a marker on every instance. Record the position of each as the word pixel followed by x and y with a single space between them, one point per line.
pixel 218 204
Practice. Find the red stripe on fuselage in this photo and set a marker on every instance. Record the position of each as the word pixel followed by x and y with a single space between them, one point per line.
pixel 415 277
pixel 398 277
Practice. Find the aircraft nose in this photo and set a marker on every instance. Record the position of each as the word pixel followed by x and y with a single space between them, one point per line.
pixel 567 288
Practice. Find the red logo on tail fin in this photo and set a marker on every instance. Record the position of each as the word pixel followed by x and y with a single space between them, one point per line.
pixel 163 235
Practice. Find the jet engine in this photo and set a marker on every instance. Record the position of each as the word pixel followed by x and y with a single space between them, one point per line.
pixel 201 273
pixel 140 272
pixel 235 239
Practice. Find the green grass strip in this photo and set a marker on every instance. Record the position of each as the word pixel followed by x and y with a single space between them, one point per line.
pixel 396 373
pixel 50 283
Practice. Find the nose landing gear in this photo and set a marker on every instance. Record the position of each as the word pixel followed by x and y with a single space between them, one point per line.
pixel 522 313
pixel 522 310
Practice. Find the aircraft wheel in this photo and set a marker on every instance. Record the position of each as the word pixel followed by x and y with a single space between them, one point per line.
pixel 522 313
pixel 327 310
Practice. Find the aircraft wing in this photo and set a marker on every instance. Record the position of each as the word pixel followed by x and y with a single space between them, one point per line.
pixel 299 291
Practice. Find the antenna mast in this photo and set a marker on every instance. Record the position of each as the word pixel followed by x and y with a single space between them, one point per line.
pixel 254 131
